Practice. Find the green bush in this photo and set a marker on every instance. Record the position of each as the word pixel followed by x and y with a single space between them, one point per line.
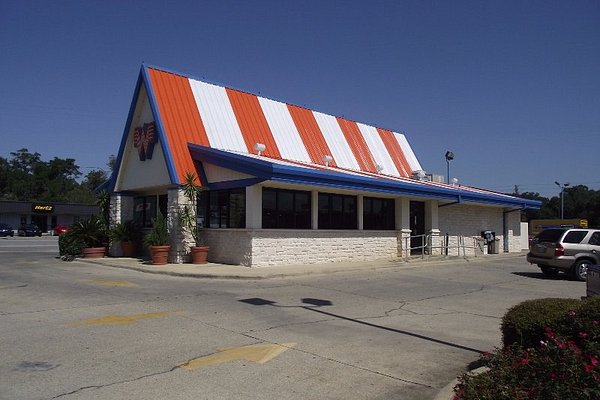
pixel 70 245
pixel 561 362
pixel 524 323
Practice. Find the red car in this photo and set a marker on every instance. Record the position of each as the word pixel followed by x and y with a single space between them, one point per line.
pixel 60 229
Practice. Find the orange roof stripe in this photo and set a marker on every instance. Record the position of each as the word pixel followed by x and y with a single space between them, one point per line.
pixel 358 145
pixel 252 122
pixel 395 151
pixel 180 118
pixel 310 133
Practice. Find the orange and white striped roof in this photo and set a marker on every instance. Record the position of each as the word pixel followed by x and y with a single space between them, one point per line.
pixel 192 111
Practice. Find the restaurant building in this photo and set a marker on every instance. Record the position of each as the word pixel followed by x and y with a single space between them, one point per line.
pixel 284 184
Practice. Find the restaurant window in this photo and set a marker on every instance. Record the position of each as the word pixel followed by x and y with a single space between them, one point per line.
pixel 222 208
pixel 378 214
pixel 285 209
pixel 144 210
pixel 337 211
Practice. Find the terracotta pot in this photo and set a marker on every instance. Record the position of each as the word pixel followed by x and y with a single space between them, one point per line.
pixel 159 254
pixel 199 254
pixel 128 249
pixel 94 252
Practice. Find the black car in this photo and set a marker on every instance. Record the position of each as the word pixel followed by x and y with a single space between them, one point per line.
pixel 29 230
pixel 6 230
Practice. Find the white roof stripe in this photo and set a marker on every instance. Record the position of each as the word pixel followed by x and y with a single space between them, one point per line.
pixel 284 130
pixel 342 153
pixel 408 153
pixel 218 117
pixel 378 149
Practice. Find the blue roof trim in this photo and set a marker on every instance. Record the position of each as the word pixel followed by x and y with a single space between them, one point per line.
pixel 160 127
pixel 235 184
pixel 267 170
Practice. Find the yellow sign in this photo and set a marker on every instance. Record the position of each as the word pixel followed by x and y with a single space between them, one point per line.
pixel 258 353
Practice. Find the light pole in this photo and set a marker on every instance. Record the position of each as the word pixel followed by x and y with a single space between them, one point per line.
pixel 562 197
pixel 449 157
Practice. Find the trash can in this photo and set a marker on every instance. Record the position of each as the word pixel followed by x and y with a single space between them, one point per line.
pixel 593 281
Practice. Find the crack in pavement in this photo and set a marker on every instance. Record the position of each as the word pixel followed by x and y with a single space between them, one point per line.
pixel 93 387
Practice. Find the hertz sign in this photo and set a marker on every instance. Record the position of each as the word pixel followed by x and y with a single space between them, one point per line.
pixel 42 208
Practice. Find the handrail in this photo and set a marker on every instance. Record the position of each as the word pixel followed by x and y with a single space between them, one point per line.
pixel 474 244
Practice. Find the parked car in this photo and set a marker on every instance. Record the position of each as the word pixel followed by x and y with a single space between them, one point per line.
pixel 566 250
pixel 29 230
pixel 60 229
pixel 6 230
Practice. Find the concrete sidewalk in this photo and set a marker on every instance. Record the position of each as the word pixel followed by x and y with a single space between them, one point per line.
pixel 225 271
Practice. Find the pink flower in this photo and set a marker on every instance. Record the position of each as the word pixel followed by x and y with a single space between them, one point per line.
pixel 588 368
pixel 594 361
pixel 549 333
pixel 571 313
pixel 583 335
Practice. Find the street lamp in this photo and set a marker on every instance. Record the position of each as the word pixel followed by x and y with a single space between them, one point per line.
pixel 449 157
pixel 562 196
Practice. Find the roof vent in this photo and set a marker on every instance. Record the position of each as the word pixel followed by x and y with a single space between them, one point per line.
pixel 327 159
pixel 419 175
pixel 379 168
pixel 259 147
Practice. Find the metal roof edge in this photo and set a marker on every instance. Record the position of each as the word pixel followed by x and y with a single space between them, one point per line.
pixel 269 170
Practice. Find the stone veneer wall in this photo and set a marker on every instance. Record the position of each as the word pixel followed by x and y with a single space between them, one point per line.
pixel 260 248
pixel 470 220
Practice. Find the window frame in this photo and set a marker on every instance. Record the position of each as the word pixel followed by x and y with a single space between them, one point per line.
pixel 327 213
pixel 294 217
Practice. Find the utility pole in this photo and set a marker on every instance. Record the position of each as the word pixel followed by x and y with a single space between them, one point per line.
pixel 562 197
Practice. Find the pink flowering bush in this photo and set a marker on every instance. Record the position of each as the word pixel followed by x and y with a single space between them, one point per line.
pixel 563 364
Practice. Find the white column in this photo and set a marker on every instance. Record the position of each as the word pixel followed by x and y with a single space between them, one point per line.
pixel 360 211
pixel 314 209
pixel 402 206
pixel 432 226
pixel 254 207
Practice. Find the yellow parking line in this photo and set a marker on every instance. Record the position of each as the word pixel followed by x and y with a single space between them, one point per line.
pixel 122 319
pixel 106 282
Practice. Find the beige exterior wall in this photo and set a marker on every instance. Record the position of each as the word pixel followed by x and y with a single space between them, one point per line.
pixel 261 248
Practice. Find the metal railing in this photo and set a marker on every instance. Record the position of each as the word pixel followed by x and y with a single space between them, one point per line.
pixel 448 245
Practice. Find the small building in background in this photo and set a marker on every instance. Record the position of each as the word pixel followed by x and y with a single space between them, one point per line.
pixel 46 215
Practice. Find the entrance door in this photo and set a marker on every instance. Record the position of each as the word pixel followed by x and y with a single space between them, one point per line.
pixel 41 221
pixel 417 226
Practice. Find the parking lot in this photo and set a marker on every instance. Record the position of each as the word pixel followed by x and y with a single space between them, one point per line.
pixel 77 330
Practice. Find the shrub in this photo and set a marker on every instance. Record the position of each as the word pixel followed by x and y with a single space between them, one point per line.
pixel 524 323
pixel 70 245
pixel 564 363
pixel 159 234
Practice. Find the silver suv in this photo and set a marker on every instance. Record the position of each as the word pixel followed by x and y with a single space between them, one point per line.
pixel 567 250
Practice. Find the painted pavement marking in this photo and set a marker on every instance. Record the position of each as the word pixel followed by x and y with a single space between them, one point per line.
pixel 106 282
pixel 258 353
pixel 123 319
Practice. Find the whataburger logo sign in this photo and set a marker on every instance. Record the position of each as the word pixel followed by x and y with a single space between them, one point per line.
pixel 144 138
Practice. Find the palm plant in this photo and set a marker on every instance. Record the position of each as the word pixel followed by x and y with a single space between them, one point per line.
pixel 159 234
pixel 187 215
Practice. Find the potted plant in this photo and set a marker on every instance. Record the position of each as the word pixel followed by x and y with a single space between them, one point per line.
pixel 127 234
pixel 92 234
pixel 157 240
pixel 189 220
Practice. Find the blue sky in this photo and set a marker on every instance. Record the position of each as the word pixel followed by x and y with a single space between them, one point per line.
pixel 511 87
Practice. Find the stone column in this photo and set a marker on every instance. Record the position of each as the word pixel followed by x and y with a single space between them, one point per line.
pixel 432 227
pixel 181 239
pixel 314 209
pixel 360 211
pixel 121 210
